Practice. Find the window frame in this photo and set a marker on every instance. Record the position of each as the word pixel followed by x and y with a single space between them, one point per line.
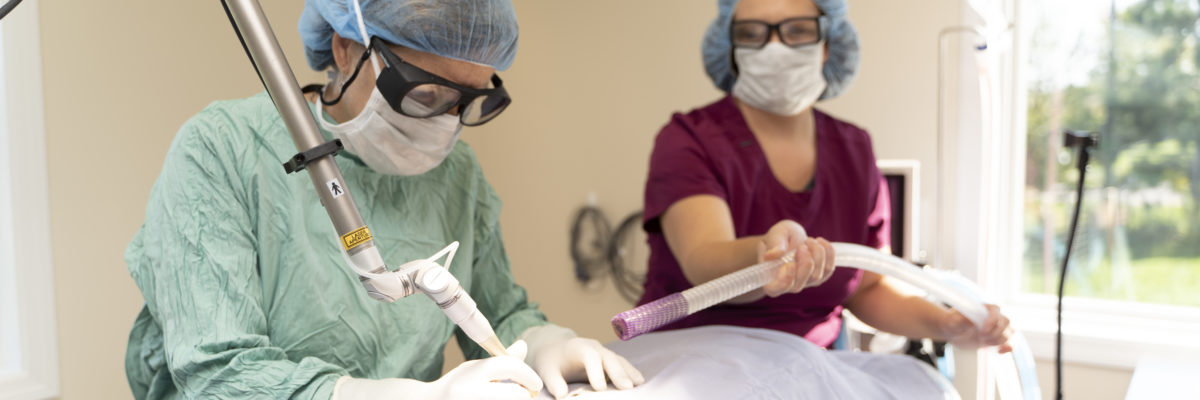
pixel 1097 332
pixel 33 372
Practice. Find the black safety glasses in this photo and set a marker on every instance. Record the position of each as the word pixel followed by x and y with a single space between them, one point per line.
pixel 417 93
pixel 420 94
pixel 793 32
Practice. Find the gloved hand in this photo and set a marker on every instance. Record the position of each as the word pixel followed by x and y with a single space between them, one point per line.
pixel 559 356
pixel 504 377
pixel 960 332
pixel 814 258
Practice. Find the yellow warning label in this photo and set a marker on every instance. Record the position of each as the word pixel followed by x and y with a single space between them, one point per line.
pixel 355 238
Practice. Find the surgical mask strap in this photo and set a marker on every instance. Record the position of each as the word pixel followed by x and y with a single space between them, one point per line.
pixel 362 31
pixel 342 91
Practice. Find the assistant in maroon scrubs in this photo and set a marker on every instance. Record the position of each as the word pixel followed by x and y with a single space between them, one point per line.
pixel 711 151
pixel 761 173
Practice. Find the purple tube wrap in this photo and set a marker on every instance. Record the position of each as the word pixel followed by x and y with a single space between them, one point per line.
pixel 650 316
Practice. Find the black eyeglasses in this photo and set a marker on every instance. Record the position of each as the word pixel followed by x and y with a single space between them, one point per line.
pixel 417 93
pixel 793 32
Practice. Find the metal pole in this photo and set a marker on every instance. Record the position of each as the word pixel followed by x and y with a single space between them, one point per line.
pixel 277 77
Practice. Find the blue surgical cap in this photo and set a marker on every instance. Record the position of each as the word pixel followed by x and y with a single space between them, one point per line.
pixel 478 31
pixel 839 69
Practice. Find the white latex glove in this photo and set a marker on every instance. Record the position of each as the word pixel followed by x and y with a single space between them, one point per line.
pixel 813 263
pixel 505 378
pixel 560 356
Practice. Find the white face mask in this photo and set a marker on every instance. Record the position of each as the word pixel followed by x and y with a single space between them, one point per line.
pixel 779 79
pixel 387 141
pixel 392 143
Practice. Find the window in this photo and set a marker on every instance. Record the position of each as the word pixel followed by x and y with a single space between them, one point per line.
pixel 1128 70
pixel 28 353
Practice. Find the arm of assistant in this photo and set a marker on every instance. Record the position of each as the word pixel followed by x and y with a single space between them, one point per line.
pixel 699 231
pixel 892 306
pixel 886 305
pixel 685 202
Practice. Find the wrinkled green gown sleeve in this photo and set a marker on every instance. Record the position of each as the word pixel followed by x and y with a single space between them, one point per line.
pixel 199 277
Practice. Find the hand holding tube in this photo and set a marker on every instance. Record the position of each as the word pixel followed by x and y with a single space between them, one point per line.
pixel 962 333
pixel 813 257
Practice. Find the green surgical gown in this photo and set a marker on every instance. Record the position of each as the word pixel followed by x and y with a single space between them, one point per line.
pixel 246 292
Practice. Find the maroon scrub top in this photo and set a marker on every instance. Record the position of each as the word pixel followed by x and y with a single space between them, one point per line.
pixel 712 151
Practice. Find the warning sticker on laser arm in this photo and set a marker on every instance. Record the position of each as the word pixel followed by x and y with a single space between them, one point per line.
pixel 355 238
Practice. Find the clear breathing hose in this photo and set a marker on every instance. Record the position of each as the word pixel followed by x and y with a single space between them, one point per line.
pixel 653 315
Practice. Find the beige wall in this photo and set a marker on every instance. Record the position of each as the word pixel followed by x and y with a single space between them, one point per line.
pixel 593 83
